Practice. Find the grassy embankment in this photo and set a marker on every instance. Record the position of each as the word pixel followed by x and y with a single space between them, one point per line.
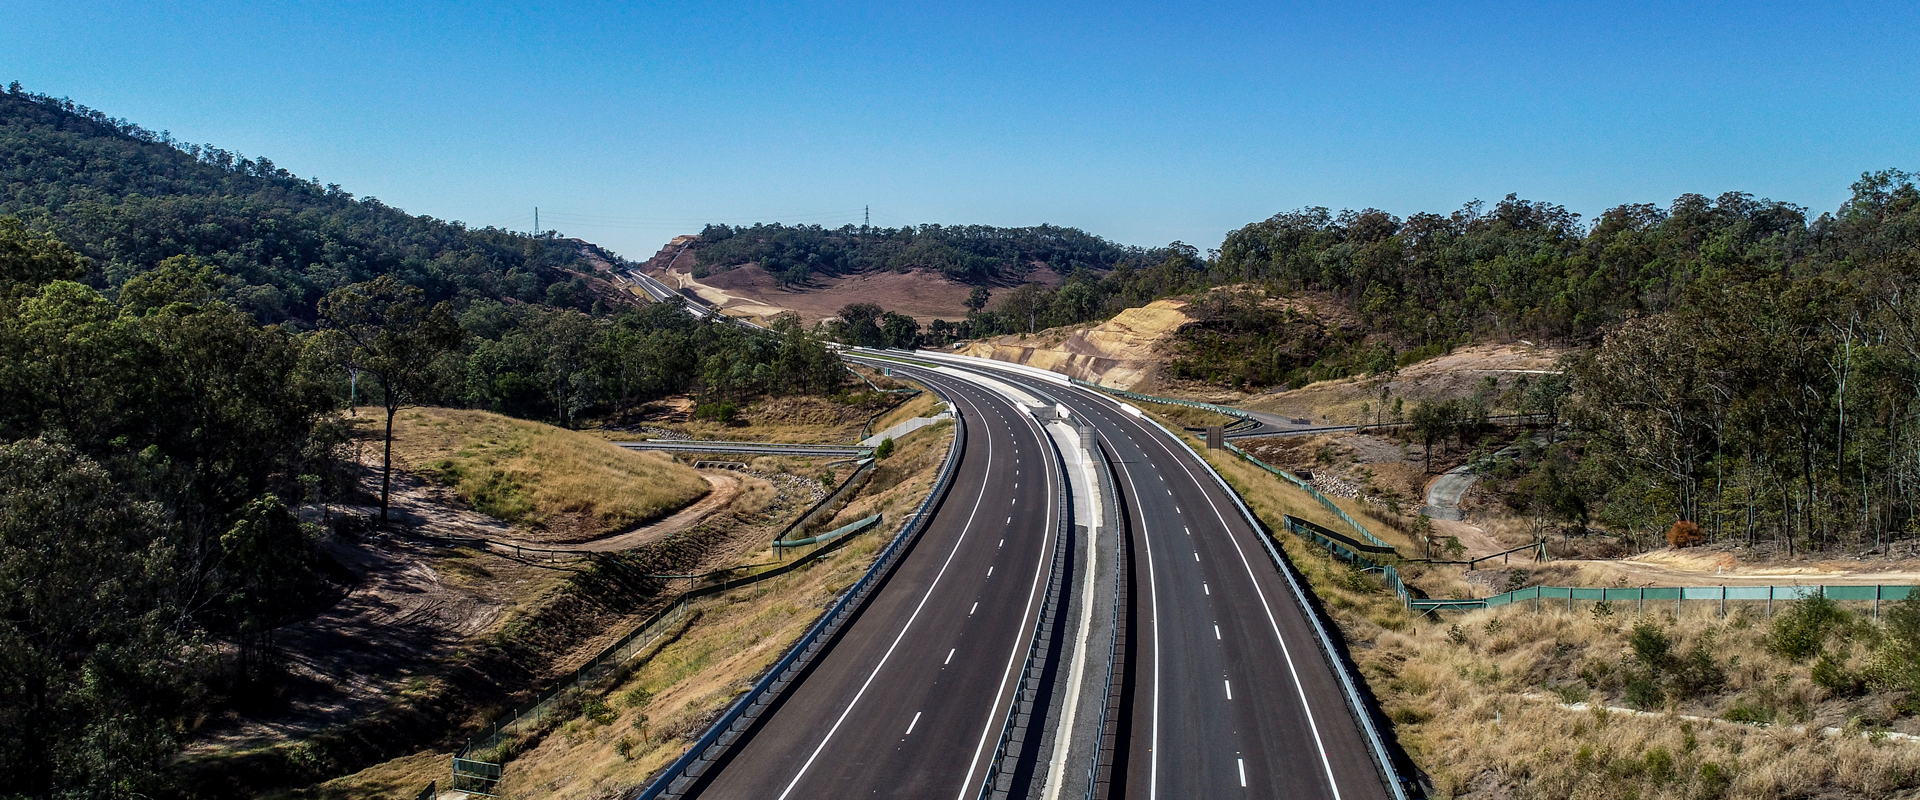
pixel 654 712
pixel 1495 703
pixel 540 476
pixel 924 404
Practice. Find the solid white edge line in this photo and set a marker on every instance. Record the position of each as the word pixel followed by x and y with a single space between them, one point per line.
pixel 903 630
pixel 1153 614
pixel 1013 658
pixel 1286 652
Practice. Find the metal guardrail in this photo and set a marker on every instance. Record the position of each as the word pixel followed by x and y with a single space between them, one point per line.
pixel 1236 413
pixel 1342 668
pixel 813 641
pixel 1123 546
pixel 801 522
pixel 1308 488
pixel 479 774
pixel 1026 691
pixel 831 535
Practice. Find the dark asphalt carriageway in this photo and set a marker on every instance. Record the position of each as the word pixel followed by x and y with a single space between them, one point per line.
pixel 910 700
pixel 1232 696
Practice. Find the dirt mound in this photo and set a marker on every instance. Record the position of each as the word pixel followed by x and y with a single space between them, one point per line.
pixel 1123 352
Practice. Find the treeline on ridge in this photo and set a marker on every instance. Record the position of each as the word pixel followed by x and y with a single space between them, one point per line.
pixel 129 198
pixel 976 254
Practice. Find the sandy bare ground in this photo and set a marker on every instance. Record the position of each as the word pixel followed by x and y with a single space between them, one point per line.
pixel 1697 567
pixel 750 291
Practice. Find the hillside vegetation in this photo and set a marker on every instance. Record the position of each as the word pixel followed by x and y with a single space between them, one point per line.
pixel 539 475
pixel 977 254
pixel 129 198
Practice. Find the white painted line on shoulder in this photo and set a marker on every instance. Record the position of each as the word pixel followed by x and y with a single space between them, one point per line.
pixel 916 721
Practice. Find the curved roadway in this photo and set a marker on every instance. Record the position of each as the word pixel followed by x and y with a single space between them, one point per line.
pixel 911 699
pixel 1233 697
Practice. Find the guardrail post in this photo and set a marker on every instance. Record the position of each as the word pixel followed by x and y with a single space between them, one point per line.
pixel 1769 602
pixel 1876 601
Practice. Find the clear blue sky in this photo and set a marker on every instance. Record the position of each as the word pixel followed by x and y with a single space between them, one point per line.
pixel 629 122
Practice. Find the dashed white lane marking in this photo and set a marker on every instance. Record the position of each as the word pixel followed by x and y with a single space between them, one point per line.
pixel 1003 543
pixel 1203 587
pixel 916 721
pixel 956 650
pixel 888 655
pixel 989 572
pixel 1243 771
pixel 976 607
pixel 1229 685
pixel 1196 555
pixel 1216 636
pixel 1188 530
pixel 1009 520
pixel 1016 501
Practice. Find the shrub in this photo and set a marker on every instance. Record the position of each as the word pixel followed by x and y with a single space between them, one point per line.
pixel 1803 629
pixel 637 697
pixel 1714 781
pixel 885 449
pixel 1643 692
pixel 1831 674
pixel 724 411
pixel 1697 673
pixel 1685 534
pixel 1743 711
pixel 1651 646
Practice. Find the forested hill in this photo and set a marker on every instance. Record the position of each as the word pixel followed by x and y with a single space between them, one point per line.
pixel 976 254
pixel 1534 269
pixel 129 198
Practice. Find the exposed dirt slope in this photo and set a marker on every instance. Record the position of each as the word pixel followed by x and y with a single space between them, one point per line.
pixel 750 291
pixel 1450 375
pixel 1124 352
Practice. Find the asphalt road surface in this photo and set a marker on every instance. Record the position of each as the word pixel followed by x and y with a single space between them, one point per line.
pixel 1233 697
pixel 910 701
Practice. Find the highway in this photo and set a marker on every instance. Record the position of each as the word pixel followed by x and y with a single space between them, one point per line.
pixel 911 699
pixel 1232 696
pixel 1230 693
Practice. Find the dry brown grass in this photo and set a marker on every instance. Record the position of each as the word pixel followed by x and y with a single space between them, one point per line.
pixel 538 475
pixel 1486 702
pixel 670 700
pixel 924 404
